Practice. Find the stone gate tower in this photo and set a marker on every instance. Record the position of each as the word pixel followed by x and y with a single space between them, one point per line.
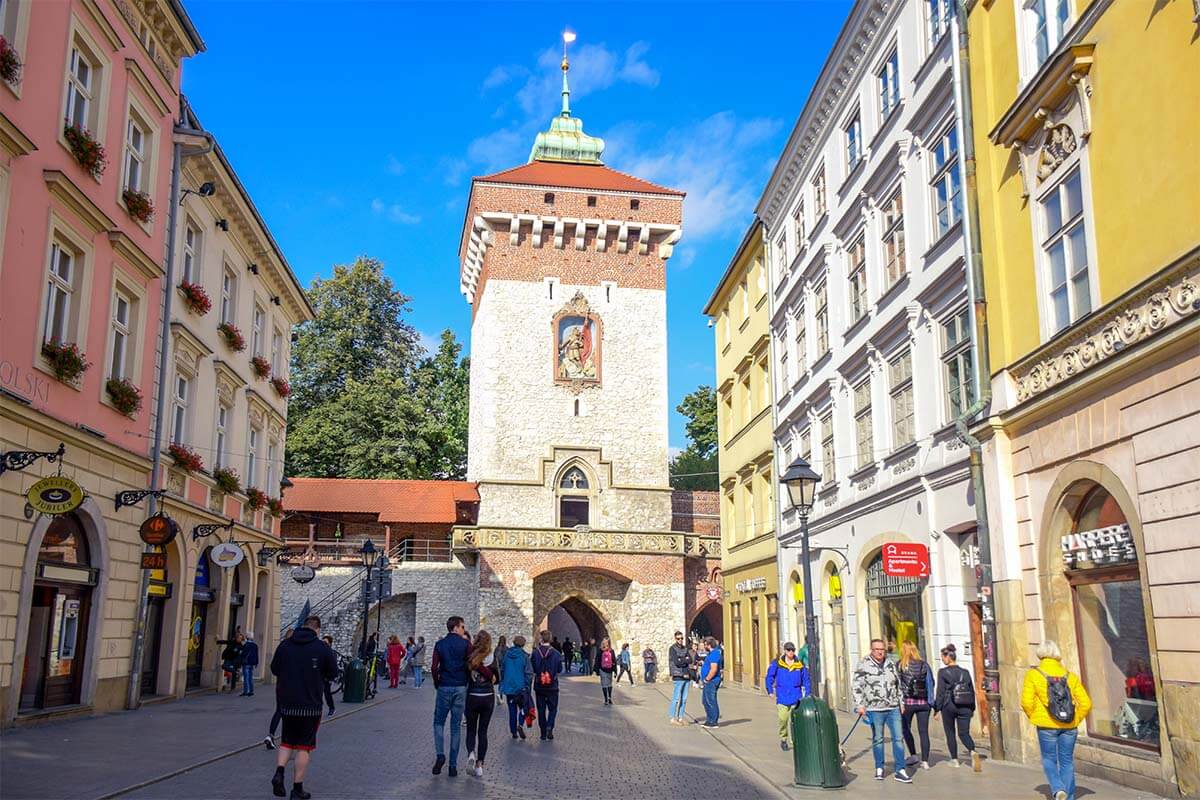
pixel 563 261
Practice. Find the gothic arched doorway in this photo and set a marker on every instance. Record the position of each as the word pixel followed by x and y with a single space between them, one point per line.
pixel 580 602
pixel 707 622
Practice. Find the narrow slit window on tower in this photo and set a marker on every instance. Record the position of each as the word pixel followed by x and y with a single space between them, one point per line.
pixel 634 203
pixel 591 201
pixel 549 197
pixel 577 407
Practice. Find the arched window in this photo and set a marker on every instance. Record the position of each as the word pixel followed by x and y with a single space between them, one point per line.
pixel 64 542
pixel 573 479
pixel 574 498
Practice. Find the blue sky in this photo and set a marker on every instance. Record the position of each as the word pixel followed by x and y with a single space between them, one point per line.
pixel 357 126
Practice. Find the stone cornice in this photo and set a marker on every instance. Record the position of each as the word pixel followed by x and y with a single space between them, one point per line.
pixel 1064 74
pixel 64 189
pixel 124 246
pixel 1159 303
pixel 13 140
pixel 139 77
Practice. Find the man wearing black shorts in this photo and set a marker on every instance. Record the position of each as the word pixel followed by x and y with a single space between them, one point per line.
pixel 302 665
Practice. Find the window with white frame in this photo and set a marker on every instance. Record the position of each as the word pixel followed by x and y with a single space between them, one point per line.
pixel 252 457
pixel 727 407
pixel 856 274
pixel 726 331
pixel 801 341
pixel 805 444
pixel 137 143
pixel 798 226
pixel 893 238
pixel 257 330
pixel 818 187
pixel 179 408
pixel 939 12
pixel 191 252
pixel 781 258
pixel 956 363
pixel 828 453
pixel 946 182
pixel 223 414
pixel 122 313
pixel 862 423
pixel 747 397
pixel 1065 251
pixel 745 289
pixel 277 353
pixel 1049 20
pixel 888 79
pixel 272 475
pixel 821 318
pixel 57 325
pixel 901 390
pixel 228 295
pixel 8 20
pixel 82 83
pixel 784 384
pixel 854 144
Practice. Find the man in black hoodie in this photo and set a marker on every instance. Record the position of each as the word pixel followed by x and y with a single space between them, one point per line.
pixel 301 666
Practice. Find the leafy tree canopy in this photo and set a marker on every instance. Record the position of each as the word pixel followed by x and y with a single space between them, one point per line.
pixel 696 467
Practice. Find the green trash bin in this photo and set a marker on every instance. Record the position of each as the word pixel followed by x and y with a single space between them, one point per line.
pixel 354 682
pixel 815 752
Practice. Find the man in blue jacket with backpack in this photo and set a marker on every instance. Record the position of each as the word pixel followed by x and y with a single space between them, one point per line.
pixel 546 663
pixel 787 680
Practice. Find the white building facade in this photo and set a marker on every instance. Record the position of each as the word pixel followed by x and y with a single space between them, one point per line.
pixel 870 339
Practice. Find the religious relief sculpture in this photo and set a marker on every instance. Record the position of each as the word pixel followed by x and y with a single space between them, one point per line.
pixel 577 344
pixel 1059 145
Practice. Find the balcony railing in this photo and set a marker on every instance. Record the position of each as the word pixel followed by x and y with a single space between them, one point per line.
pixel 349 553
pixel 586 540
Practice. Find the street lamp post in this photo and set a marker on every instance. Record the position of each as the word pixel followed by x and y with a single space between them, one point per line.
pixel 368 559
pixel 801 482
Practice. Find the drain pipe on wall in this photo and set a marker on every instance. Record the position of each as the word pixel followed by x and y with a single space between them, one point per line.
pixel 188 142
pixel 983 372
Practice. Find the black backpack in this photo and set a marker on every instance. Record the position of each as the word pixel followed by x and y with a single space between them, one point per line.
pixel 962 693
pixel 1059 702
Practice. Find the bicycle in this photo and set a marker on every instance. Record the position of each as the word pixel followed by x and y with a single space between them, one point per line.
pixel 377 665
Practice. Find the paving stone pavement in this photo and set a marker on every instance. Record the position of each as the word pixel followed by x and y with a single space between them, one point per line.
pixel 384 750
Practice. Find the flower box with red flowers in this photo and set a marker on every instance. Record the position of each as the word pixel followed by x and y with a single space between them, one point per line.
pixel 282 388
pixel 228 481
pixel 139 205
pixel 232 336
pixel 10 62
pixel 260 367
pixel 67 362
pixel 86 148
pixel 255 498
pixel 275 507
pixel 185 458
pixel 126 397
pixel 195 298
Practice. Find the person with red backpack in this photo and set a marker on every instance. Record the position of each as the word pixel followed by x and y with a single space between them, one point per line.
pixel 547 663
pixel 1056 703
pixel 606 665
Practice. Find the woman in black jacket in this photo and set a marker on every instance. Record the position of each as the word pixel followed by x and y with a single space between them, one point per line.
pixel 955 700
pixel 231 659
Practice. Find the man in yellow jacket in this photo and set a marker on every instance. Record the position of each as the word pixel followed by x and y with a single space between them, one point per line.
pixel 1049 696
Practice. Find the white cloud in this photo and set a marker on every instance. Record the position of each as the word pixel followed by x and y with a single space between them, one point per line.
pixel 394 167
pixel 394 212
pixel 500 149
pixel 453 170
pixel 503 74
pixel 429 342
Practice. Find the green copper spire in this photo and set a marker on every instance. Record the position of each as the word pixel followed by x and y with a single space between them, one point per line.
pixel 566 141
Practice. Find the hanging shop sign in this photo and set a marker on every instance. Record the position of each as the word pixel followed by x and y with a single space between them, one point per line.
pixel 906 560
pixel 227 554
pixel 55 495
pixel 1103 547
pixel 154 561
pixel 751 585
pixel 159 529
pixel 303 573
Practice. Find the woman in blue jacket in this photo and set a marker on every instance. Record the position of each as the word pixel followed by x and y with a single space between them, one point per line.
pixel 516 678
pixel 787 680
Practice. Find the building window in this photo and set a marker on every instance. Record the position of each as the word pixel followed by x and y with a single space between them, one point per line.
pixel 252 457
pixel 725 333
pixel 828 455
pixel 191 252
pixel 821 318
pixel 747 404
pixel 1066 251
pixel 857 277
pixel 818 186
pixel 888 78
pixel 1050 21
pixel 137 149
pixel 893 238
pixel 573 501
pixel 939 19
pixel 862 423
pixel 549 198
pixel 1101 564
pixel 56 317
pixel 179 409
pixel 854 146
pixel 222 434
pixel 900 372
pixel 750 511
pixel 277 353
pixel 806 445
pixel 81 84
pixel 727 402
pixel 121 327
pixel 798 226
pixel 783 372
pixel 801 342
pixel 272 476
pixel 228 295
pixel 946 182
pixel 956 358
pixel 635 204
pixel 257 330
pixel 781 258
pixel 745 300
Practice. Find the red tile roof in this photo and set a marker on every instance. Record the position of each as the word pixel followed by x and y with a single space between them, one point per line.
pixel 576 176
pixel 393 500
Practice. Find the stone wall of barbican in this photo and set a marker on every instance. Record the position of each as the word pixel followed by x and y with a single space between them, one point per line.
pixel 439 591
pixel 696 511
pixel 518 414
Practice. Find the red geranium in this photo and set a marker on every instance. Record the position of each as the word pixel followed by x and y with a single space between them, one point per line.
pixel 282 388
pixel 196 298
pixel 185 458
pixel 86 148
pixel 260 366
pixel 232 336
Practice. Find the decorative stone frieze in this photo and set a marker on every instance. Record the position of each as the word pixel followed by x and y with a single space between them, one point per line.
pixel 585 539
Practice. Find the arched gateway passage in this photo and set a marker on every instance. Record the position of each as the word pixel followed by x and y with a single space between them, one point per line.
pixel 575 619
pixel 580 602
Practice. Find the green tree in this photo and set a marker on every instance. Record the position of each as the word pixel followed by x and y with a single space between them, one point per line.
pixel 442 385
pixel 691 471
pixel 697 466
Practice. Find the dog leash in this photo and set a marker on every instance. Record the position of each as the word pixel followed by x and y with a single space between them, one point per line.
pixel 857 720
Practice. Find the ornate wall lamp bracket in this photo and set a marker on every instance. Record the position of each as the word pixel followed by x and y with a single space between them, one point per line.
pixel 131 497
pixel 201 531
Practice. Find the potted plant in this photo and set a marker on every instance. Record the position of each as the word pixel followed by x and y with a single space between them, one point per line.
pixel 185 458
pixel 86 148
pixel 232 336
pixel 260 367
pixel 282 388
pixel 10 64
pixel 195 298
pixel 124 395
pixel 275 507
pixel 256 498
pixel 138 204
pixel 66 360
pixel 227 480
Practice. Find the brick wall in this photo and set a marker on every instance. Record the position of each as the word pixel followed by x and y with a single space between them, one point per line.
pixel 696 511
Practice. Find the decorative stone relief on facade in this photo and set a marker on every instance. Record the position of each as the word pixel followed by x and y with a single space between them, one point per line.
pixel 1060 143
pixel 1148 313
pixel 577 338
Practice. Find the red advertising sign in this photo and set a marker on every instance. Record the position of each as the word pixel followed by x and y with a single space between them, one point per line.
pixel 906 560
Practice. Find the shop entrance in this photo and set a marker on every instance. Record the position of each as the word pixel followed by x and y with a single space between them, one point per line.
pixel 157 595
pixel 58 628
pixel 895 609
pixel 202 598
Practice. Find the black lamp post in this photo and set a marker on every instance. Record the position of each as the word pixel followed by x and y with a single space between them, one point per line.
pixel 801 482
pixel 368 560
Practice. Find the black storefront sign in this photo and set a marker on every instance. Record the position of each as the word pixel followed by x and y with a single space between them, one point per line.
pixel 1102 547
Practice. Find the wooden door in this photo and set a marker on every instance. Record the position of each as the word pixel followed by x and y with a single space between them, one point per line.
pixel 975 614
pixel 154 623
pixel 756 645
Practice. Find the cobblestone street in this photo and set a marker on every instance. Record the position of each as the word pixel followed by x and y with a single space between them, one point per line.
pixel 209 747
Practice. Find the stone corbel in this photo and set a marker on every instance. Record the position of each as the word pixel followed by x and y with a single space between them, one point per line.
pixel 914 312
pixel 537 232
pixel 514 231
pixel 1083 93
pixel 667 247
pixel 874 359
pixel 558 234
pixel 1022 167
pixel 644 240
pixel 580 234
pixel 602 237
pixel 623 238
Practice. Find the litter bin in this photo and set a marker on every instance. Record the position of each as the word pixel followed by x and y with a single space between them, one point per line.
pixel 354 682
pixel 816 754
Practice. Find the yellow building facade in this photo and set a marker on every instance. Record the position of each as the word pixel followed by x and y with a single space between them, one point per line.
pixel 740 311
pixel 1088 182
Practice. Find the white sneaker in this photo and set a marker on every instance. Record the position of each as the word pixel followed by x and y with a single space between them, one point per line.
pixel 924 765
pixel 902 776
pixel 471 759
pixel 954 762
pixel 879 774
pixel 479 770
pixel 1060 795
pixel 269 741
